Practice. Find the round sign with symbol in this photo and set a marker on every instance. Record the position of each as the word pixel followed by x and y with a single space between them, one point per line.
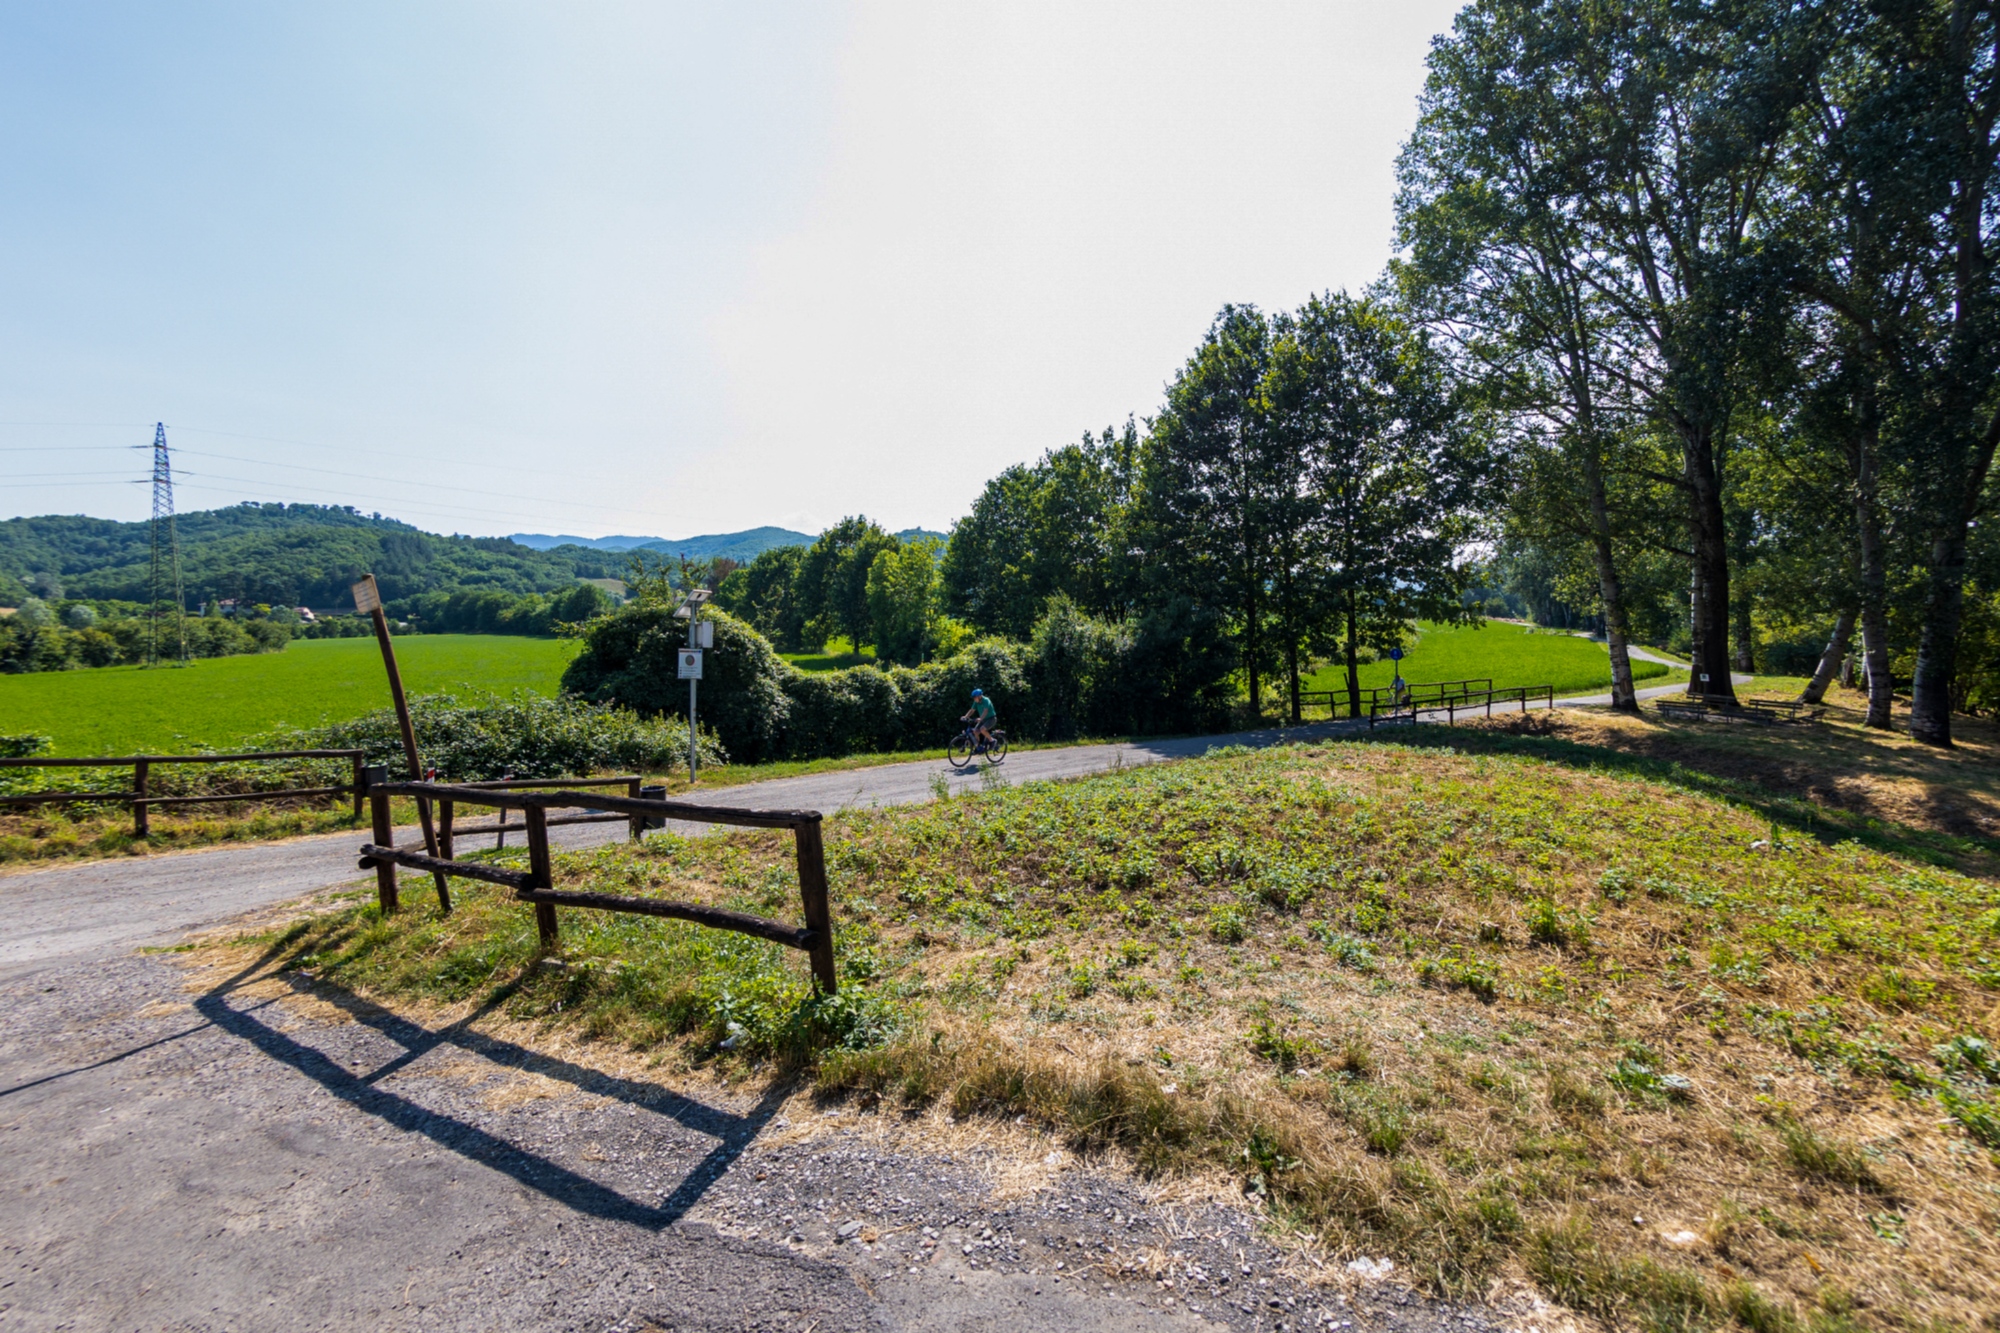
pixel 1395 654
pixel 690 664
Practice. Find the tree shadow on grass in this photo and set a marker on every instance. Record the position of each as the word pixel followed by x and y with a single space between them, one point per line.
pixel 1718 774
pixel 732 1132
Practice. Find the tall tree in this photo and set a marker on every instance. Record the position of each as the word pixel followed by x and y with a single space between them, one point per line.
pixel 1394 467
pixel 1496 262
pixel 833 580
pixel 1655 123
pixel 1206 487
pixel 1051 528
pixel 903 601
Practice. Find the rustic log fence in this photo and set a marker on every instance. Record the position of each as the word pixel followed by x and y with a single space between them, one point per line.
pixel 142 802
pixel 536 885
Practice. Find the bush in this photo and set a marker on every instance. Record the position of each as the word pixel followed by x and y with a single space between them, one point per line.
pixel 632 659
pixel 1077 676
pixel 528 736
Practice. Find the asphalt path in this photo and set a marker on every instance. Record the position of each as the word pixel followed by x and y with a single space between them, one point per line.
pixel 98 909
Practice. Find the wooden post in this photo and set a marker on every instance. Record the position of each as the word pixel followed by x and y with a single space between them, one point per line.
pixel 359 783
pixel 444 828
pixel 142 823
pixel 638 821
pixel 385 836
pixel 544 875
pixel 813 892
pixel 368 598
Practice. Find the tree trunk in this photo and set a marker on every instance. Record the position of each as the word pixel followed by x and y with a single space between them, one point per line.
pixel 1710 609
pixel 1937 647
pixel 1624 698
pixel 1874 578
pixel 1353 663
pixel 1830 660
pixel 1250 656
pixel 1292 671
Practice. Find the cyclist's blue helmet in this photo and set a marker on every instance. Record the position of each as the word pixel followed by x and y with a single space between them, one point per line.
pixel 978 693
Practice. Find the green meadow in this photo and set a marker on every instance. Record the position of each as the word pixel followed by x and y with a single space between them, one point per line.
pixel 1509 654
pixel 220 702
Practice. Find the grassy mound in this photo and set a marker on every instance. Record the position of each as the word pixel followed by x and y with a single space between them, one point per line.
pixel 1490 1013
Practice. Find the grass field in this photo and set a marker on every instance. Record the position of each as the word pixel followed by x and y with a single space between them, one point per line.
pixel 1510 654
pixel 1494 1002
pixel 220 701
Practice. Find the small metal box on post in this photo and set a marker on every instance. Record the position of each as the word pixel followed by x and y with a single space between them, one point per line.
pixel 701 635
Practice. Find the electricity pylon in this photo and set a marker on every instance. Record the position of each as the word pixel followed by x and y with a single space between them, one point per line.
pixel 166 582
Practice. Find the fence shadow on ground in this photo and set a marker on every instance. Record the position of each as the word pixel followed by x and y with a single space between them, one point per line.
pixel 733 1133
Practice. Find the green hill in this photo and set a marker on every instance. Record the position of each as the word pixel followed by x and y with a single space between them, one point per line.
pixel 291 555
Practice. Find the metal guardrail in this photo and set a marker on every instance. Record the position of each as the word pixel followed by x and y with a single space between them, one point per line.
pixel 141 765
pixel 536 885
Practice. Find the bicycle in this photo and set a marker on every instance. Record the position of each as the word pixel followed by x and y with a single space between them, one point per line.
pixel 965 747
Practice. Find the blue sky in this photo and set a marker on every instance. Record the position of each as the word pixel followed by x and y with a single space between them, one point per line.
pixel 653 268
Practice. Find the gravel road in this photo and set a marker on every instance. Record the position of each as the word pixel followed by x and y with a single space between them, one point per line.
pixel 278 1155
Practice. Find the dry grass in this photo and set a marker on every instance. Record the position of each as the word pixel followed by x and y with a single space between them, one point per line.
pixel 1504 1005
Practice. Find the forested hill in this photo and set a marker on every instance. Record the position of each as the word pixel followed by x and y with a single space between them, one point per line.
pixel 742 547
pixel 291 555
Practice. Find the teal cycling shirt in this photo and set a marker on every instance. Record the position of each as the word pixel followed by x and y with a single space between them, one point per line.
pixel 983 707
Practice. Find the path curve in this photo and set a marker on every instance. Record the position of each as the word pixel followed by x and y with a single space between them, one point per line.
pixel 96 909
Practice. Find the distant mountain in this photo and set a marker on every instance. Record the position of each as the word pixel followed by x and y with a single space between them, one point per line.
pixel 542 541
pixel 917 534
pixel 742 547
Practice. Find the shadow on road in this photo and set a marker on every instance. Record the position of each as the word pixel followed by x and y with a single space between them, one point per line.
pixel 733 1133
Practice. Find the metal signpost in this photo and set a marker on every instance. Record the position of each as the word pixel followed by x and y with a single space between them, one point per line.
pixel 701 634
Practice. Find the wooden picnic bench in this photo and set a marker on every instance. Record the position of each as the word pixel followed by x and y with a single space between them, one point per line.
pixel 1713 707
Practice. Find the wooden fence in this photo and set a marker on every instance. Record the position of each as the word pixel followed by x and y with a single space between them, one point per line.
pixel 1378 695
pixel 142 764
pixel 1406 709
pixel 536 885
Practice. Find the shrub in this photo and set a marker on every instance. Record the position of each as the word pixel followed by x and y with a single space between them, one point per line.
pixel 632 659
pixel 527 735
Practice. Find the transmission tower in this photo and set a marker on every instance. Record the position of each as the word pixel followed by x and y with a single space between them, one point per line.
pixel 166 589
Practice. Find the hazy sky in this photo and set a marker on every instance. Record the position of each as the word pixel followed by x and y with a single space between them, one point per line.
pixel 651 268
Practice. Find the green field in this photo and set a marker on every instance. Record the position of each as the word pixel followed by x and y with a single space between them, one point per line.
pixel 1508 653
pixel 221 701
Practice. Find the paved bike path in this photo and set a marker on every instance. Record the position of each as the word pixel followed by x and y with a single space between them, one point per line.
pixel 100 908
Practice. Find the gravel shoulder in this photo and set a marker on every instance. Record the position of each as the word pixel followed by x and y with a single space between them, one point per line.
pixel 200 1148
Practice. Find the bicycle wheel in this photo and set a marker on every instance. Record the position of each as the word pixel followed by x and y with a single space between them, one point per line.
pixel 959 753
pixel 997 749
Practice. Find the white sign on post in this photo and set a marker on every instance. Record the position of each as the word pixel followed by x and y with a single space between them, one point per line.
pixel 367 597
pixel 690 664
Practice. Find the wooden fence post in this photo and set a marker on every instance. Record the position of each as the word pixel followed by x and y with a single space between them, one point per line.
pixel 813 892
pixel 385 836
pixel 543 874
pixel 142 824
pixel 360 783
pixel 638 821
pixel 444 828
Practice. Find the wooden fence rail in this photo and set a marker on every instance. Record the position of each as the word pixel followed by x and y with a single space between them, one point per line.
pixel 1431 692
pixel 536 885
pixel 1407 709
pixel 142 766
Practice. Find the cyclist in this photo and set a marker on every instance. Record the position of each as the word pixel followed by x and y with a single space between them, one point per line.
pixel 982 716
